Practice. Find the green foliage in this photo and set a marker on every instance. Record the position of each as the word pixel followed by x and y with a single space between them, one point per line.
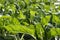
pixel 39 19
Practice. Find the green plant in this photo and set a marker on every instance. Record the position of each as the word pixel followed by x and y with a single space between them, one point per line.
pixel 39 19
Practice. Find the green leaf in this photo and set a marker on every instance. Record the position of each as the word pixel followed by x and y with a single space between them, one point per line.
pixel 32 13
pixel 47 8
pixel 27 1
pixel 19 29
pixel 15 21
pixel 54 31
pixel 56 19
pixel 45 20
pixel 58 31
pixel 6 20
pixel 39 30
pixel 21 15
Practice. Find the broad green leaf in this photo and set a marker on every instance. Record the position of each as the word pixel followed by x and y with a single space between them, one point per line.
pixel 31 26
pixel 39 30
pixel 45 20
pixel 19 29
pixel 6 20
pixel 54 31
pixel 58 31
pixel 32 13
pixel 15 21
pixel 56 19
